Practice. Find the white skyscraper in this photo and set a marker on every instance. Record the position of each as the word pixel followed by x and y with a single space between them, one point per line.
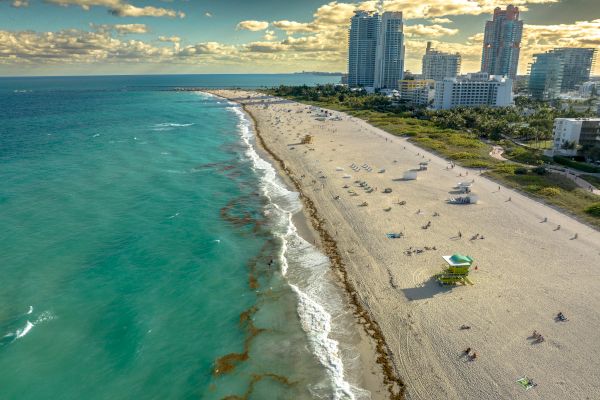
pixel 389 59
pixel 362 40
pixel 376 50
pixel 438 65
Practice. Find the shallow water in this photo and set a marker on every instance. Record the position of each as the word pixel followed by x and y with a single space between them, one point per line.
pixel 148 252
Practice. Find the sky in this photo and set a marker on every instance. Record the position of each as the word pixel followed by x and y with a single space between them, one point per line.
pixel 95 37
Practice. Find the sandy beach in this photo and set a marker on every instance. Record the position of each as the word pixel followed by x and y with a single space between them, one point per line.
pixel 530 262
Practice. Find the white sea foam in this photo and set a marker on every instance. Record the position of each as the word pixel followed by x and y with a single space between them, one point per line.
pixel 24 331
pixel 316 300
pixel 169 126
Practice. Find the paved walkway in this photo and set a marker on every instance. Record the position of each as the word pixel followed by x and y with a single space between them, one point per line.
pixel 497 152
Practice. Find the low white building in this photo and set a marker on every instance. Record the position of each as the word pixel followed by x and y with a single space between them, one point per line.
pixel 570 134
pixel 472 90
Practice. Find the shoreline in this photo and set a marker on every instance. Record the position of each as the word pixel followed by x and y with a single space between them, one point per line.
pixel 309 225
pixel 328 246
pixel 526 264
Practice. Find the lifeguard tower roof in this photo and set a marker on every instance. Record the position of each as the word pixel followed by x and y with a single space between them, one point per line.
pixel 458 260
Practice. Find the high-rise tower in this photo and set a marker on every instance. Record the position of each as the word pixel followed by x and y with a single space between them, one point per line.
pixel 362 41
pixel 438 65
pixel 389 59
pixel 578 64
pixel 560 70
pixel 502 43
pixel 376 50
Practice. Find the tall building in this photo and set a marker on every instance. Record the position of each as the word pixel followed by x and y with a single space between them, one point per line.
pixel 438 65
pixel 546 76
pixel 376 50
pixel 389 58
pixel 560 70
pixel 472 90
pixel 362 40
pixel 577 65
pixel 502 43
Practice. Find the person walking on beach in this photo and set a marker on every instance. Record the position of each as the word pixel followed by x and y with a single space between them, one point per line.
pixel 459 234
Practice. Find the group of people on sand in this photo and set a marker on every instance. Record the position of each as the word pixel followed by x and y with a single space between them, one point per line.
pixel 538 337
pixel 472 355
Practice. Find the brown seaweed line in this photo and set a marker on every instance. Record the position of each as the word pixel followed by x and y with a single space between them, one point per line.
pixel 228 362
pixel 239 221
pixel 257 378
pixel 364 318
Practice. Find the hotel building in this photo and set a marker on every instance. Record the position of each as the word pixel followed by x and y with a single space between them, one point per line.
pixel 472 90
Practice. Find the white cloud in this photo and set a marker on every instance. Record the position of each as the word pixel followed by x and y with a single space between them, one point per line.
pixel 121 29
pixel 171 39
pixel 270 35
pixel 291 27
pixel 252 25
pixel 121 9
pixel 432 31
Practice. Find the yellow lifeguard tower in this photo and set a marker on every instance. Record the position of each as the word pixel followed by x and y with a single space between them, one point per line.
pixel 457 270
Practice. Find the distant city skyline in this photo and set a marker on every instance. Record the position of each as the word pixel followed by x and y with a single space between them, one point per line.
pixel 71 37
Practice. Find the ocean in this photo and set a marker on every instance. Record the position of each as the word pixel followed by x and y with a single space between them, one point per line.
pixel 148 251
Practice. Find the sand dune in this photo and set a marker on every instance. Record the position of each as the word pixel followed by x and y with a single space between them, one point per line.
pixel 527 269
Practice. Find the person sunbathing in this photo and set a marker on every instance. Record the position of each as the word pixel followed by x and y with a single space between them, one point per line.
pixel 540 339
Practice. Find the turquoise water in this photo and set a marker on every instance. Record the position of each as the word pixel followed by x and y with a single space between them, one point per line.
pixel 147 252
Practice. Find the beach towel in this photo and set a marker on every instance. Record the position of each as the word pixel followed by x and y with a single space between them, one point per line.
pixel 526 382
pixel 393 235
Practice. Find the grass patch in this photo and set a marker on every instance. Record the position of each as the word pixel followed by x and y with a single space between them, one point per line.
pixel 524 155
pixel 549 191
pixel 477 164
pixel 505 169
pixel 593 210
pixel 465 141
pixel 463 155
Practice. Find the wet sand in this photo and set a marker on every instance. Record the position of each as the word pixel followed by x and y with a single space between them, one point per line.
pixel 527 269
